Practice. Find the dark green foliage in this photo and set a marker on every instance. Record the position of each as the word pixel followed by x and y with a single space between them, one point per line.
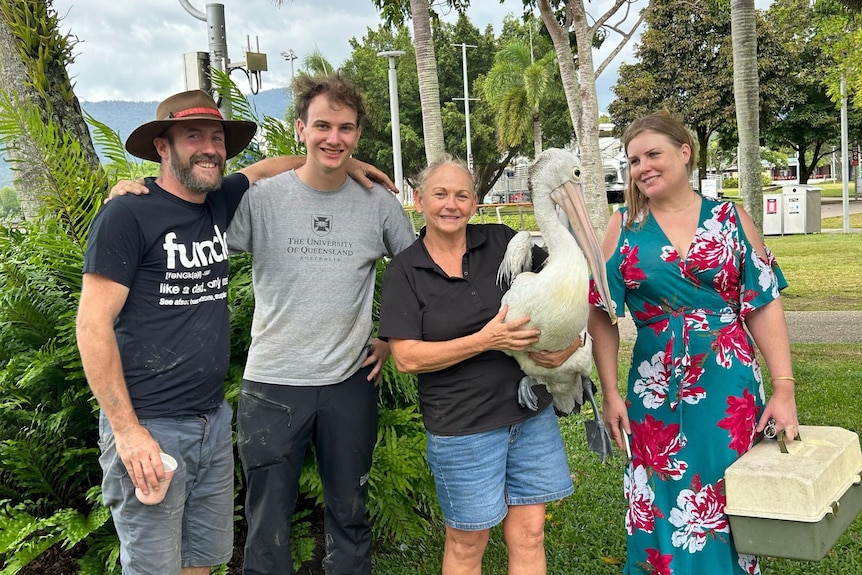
pixel 50 472
pixel 685 65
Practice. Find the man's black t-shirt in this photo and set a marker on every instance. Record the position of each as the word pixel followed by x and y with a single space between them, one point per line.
pixel 173 331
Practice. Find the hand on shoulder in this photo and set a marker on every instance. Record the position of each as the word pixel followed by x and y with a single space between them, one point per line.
pixel 124 187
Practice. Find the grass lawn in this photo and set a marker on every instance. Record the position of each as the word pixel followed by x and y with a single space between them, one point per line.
pixel 824 271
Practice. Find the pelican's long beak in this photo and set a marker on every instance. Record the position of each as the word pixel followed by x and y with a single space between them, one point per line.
pixel 570 198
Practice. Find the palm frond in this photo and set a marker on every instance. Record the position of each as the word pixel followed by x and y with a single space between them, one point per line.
pixel 120 164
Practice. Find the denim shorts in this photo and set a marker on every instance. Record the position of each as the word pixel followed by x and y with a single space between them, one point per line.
pixel 479 476
pixel 193 525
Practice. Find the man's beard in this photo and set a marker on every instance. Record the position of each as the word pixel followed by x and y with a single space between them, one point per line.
pixel 184 172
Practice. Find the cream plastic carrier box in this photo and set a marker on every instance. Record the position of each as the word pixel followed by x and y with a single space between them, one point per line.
pixel 796 504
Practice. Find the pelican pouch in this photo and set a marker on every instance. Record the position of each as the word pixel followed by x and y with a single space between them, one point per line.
pixel 795 499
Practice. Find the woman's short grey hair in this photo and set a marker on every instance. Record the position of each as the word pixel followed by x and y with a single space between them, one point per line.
pixel 446 159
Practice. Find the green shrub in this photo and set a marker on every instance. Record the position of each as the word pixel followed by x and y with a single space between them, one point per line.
pixel 50 476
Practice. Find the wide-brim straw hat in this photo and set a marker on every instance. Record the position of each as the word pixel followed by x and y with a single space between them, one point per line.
pixel 182 107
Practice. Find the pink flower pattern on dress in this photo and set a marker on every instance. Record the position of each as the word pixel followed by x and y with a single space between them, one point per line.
pixel 749 564
pixel 741 421
pixel 632 274
pixel 694 388
pixel 690 392
pixel 655 445
pixel 652 385
pixel 658 564
pixel 731 341
pixel 641 512
pixel 699 515
pixel 652 311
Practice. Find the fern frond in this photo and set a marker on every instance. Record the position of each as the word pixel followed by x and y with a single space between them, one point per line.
pixel 68 187
pixel 24 537
pixel 400 495
pixel 120 165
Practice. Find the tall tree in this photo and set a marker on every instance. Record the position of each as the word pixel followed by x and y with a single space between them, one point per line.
pixel 393 12
pixel 515 87
pixel 677 34
pixel 580 86
pixel 746 92
pixel 808 120
pixel 33 60
pixel 844 32
pixel 429 88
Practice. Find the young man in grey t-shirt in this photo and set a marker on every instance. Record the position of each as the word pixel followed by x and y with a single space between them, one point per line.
pixel 312 364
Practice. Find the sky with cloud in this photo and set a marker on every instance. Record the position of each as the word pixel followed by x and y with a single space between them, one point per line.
pixel 133 49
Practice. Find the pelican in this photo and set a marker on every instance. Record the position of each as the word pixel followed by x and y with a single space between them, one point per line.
pixel 557 297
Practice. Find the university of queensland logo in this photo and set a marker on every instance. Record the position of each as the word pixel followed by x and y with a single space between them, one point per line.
pixel 321 225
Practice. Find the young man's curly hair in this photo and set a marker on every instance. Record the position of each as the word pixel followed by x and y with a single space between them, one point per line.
pixel 340 90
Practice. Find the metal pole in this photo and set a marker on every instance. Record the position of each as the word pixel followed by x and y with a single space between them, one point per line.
pixel 395 116
pixel 845 160
pixel 467 107
pixel 467 103
pixel 217 34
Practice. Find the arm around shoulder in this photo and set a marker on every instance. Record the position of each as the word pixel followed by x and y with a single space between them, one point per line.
pixel 269 167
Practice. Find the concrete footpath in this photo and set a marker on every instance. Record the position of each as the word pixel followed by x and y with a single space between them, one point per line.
pixel 804 327
pixel 834 207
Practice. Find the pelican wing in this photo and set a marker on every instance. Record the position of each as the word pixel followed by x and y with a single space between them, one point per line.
pixel 518 258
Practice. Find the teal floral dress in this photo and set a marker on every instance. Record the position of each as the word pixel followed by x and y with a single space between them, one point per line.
pixel 695 390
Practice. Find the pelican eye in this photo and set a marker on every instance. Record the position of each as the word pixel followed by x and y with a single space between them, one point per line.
pixel 576 175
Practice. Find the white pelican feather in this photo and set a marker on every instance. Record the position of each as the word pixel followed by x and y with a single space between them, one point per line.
pixel 557 297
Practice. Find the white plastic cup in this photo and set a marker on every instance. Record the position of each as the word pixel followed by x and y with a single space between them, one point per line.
pixel 157 495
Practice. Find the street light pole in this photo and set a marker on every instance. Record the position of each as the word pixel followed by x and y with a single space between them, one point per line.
pixel 395 116
pixel 845 160
pixel 466 99
pixel 290 55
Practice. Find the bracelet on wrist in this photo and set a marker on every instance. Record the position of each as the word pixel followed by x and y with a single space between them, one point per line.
pixel 784 378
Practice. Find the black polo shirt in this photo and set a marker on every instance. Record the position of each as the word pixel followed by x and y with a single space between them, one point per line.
pixel 421 302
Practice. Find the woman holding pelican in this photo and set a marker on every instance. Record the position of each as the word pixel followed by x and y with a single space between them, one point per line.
pixel 493 460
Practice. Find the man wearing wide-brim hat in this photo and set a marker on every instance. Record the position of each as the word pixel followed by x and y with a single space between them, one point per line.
pixel 154 340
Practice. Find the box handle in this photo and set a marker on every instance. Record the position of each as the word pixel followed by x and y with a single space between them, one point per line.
pixel 780 437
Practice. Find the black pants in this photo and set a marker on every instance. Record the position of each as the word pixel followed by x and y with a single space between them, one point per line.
pixel 276 425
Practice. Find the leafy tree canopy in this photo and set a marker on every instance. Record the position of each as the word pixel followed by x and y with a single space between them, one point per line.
pixel 684 65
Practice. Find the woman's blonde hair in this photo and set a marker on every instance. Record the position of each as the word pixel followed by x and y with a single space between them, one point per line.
pixel 661 122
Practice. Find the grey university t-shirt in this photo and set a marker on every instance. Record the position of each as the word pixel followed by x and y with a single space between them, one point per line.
pixel 314 256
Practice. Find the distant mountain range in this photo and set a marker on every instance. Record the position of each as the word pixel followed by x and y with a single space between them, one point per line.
pixel 123 116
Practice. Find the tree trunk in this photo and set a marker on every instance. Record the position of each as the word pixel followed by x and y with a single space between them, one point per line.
pixel 746 93
pixel 429 88
pixel 50 90
pixel 582 101
pixel 13 76
pixel 537 135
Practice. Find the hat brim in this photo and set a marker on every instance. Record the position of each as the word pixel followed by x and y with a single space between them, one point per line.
pixel 237 135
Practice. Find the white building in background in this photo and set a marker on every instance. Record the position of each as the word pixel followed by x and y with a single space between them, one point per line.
pixel 512 187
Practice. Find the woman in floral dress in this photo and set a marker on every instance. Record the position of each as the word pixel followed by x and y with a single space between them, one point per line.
pixel 694 274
